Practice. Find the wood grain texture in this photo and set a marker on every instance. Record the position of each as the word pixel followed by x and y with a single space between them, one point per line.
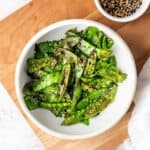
pixel 18 28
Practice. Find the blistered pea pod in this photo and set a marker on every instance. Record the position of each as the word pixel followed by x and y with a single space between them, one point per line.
pixel 86 48
pixel 76 96
pixel 98 38
pixel 52 89
pixel 90 65
pixel 86 88
pixel 44 49
pixel 46 81
pixel 75 117
pixel 94 40
pixel 65 79
pixel 97 83
pixel 110 42
pixel 38 74
pixel 58 112
pixel 95 108
pixel 106 42
pixel 91 97
pixel 48 105
pixel 51 98
pixel 37 64
pixel 115 76
pixel 77 112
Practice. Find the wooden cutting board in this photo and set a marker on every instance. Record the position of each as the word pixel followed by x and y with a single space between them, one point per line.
pixel 18 28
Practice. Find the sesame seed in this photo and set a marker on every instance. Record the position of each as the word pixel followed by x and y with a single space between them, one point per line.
pixel 121 8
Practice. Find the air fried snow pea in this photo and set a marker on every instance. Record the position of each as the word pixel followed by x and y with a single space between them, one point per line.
pixel 48 105
pixel 98 38
pixel 44 49
pixel 90 65
pixel 76 96
pixel 86 48
pixel 64 83
pixel 37 64
pixel 95 108
pixel 46 81
pixel 74 118
pixel 91 97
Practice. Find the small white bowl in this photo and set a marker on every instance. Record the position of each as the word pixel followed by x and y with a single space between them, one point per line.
pixel 139 12
pixel 44 119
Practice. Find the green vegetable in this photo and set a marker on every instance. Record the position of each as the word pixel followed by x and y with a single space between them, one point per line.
pixel 90 65
pixel 95 108
pixel 46 81
pixel 75 78
pixel 58 112
pixel 98 38
pixel 65 79
pixel 97 82
pixel 37 64
pixel 91 97
pixel 51 89
pixel 86 48
pixel 76 96
pixel 112 75
pixel 71 42
pixel 45 49
pixel 86 88
pixel 31 101
pixel 74 118
pixel 52 97
pixel 67 55
pixel 49 105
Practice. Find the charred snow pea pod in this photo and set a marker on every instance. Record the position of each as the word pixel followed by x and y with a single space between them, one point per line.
pixel 97 38
pixel 74 118
pixel 32 102
pixel 49 105
pixel 44 49
pixel 37 64
pixel 91 97
pixel 86 48
pixel 90 65
pixel 46 81
pixel 76 96
pixel 51 97
pixel 95 108
pixel 97 83
pixel 87 88
pixel 65 79
pixel 115 76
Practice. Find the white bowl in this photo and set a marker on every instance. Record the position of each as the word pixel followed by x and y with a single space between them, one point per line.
pixel 111 115
pixel 137 14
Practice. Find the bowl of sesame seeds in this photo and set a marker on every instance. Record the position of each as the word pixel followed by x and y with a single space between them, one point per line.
pixel 122 10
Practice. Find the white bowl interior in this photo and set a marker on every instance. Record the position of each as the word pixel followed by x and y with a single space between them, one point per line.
pixel 111 115
pixel 137 14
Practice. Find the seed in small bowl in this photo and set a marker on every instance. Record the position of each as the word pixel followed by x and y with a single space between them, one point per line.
pixel 120 8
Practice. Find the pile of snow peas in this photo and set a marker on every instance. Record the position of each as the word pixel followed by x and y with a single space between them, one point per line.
pixel 75 77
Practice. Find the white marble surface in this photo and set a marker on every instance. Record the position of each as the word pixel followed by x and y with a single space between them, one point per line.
pixel 7 7
pixel 15 133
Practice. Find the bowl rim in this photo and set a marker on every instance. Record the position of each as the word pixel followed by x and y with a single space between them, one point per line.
pixel 18 70
pixel 124 19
